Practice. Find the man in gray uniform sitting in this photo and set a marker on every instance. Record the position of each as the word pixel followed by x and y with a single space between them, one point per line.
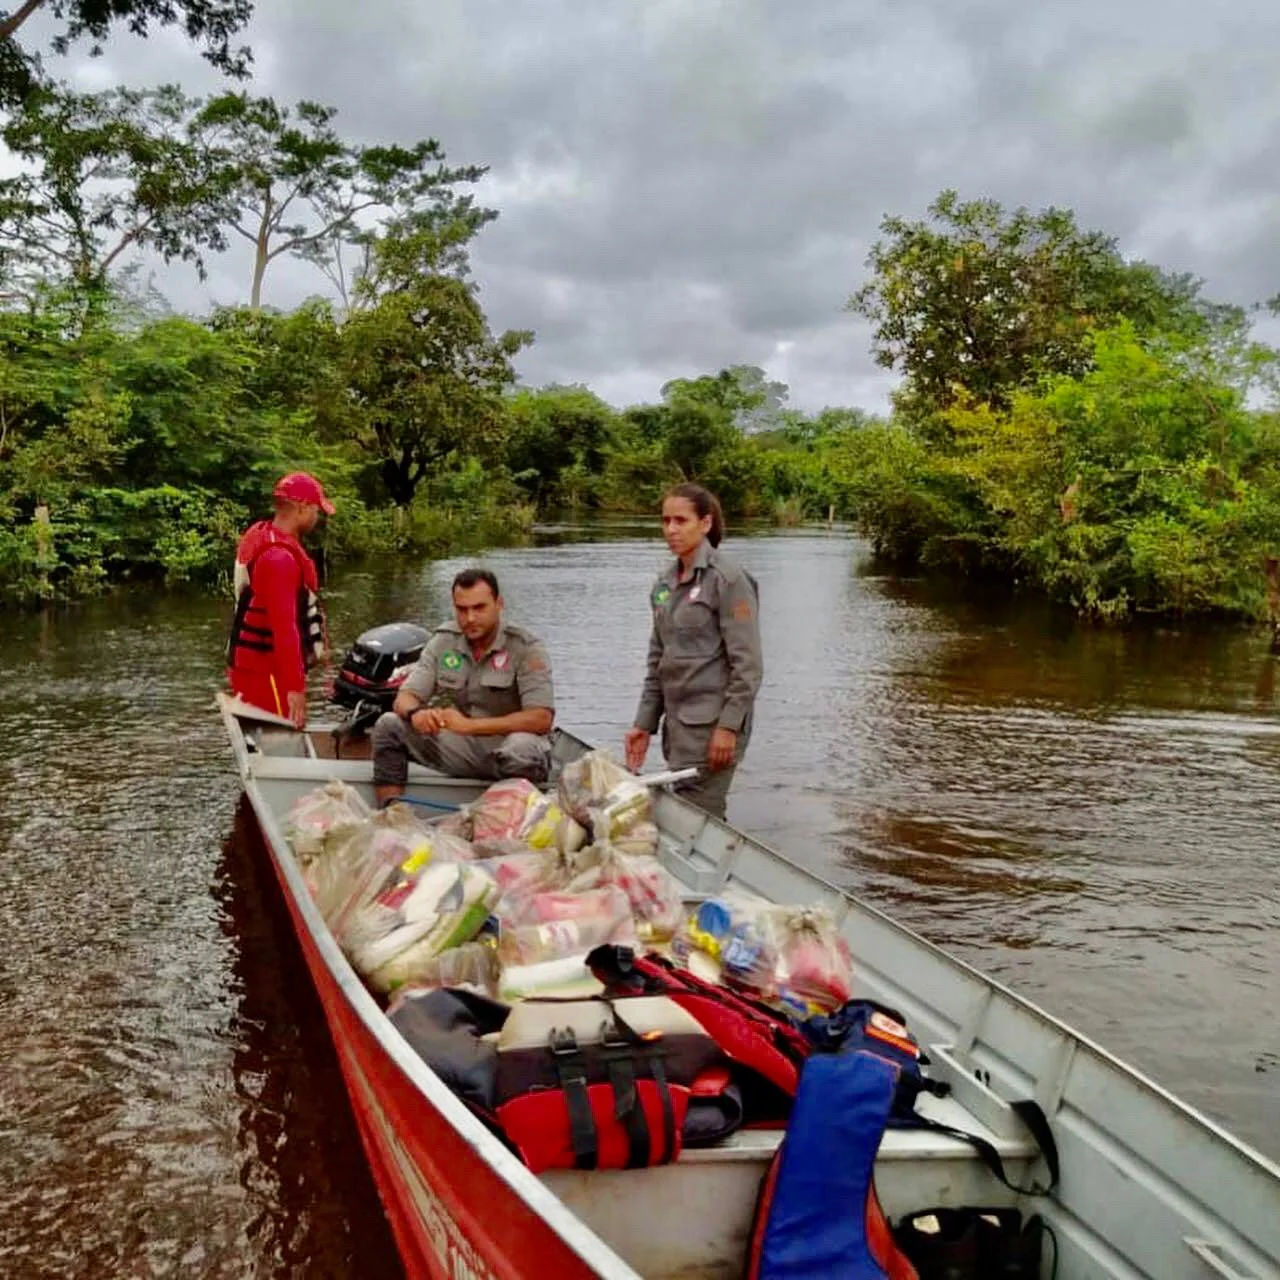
pixel 479 704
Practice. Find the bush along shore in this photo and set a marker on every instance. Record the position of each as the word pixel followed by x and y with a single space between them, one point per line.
pixel 1066 419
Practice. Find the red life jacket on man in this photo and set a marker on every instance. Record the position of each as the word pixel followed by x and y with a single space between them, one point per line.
pixel 278 631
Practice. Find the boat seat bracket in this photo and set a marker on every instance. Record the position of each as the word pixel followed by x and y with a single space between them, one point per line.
pixel 683 862
pixel 975 1094
pixel 967 1033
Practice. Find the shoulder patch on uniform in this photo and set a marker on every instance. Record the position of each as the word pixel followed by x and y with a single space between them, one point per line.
pixel 535 664
pixel 661 594
pixel 741 611
pixel 726 566
pixel 451 660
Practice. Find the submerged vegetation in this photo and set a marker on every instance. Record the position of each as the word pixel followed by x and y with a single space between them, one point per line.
pixel 1066 419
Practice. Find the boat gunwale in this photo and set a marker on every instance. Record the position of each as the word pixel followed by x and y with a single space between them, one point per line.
pixel 857 903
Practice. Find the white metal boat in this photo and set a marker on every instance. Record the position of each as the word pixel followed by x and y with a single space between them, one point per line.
pixel 1149 1188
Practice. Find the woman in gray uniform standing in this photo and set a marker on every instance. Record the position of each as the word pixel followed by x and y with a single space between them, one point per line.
pixel 705 662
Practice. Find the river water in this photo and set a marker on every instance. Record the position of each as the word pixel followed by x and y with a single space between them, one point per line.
pixel 1089 815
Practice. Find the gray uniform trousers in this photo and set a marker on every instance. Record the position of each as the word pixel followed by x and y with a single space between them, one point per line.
pixel 685 746
pixel 517 755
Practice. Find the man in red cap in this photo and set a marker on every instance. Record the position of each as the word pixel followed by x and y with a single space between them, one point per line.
pixel 279 629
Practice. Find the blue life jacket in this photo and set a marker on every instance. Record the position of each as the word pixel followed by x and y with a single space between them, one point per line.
pixel 818 1214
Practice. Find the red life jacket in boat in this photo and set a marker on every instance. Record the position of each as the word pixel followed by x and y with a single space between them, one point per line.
pixel 599 1084
pixel 278 631
pixel 753 1036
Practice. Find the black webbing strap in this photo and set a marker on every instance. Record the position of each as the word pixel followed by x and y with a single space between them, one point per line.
pixel 650 1051
pixel 626 1104
pixel 571 1068
pixel 659 1073
pixel 1033 1117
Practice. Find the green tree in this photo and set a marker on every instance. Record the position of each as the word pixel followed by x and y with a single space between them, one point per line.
pixel 979 302
pixel 106 173
pixel 425 374
pixel 61 425
pixel 296 187
pixel 295 371
pixel 558 442
pixel 1140 485
pixel 210 23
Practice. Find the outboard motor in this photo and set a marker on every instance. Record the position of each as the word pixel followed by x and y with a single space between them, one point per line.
pixel 374 668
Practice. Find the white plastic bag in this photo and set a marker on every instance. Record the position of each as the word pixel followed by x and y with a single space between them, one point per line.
pixel 328 810
pixel 599 794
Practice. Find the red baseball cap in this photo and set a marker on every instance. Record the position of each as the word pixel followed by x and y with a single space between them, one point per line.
pixel 298 486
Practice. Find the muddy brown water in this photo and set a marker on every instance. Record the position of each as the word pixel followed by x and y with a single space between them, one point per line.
pixel 1088 815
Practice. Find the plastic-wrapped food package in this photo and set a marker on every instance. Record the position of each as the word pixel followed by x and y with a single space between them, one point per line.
pixel 568 976
pixel 548 923
pixel 327 810
pixel 512 869
pixel 814 969
pixel 566 936
pixel 654 894
pixel 606 902
pixel 413 919
pixel 393 846
pixel 599 794
pixel 521 879
pixel 473 965
pixel 791 957
pixel 514 809
pixel 725 938
pixel 334 875
pixel 518 877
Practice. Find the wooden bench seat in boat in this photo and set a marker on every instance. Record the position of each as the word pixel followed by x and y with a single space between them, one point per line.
pixel 692 1219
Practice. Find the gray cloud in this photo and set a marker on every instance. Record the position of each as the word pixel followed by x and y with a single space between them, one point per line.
pixel 687 186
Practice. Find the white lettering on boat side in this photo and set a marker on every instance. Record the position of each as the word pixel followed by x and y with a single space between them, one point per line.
pixel 458 1257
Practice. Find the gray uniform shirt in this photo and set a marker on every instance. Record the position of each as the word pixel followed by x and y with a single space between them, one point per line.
pixel 514 675
pixel 705 660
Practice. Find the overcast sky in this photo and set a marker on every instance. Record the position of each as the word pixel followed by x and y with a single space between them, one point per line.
pixel 686 184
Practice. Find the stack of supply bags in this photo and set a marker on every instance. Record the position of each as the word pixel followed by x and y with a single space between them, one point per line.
pixel 507 896
pixel 395 892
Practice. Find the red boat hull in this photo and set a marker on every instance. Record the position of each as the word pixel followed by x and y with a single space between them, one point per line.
pixel 453 1214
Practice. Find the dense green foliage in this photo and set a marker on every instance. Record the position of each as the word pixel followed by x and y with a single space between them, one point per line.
pixel 1067 419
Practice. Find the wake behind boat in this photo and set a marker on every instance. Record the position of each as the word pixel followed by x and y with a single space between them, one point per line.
pixel 1147 1186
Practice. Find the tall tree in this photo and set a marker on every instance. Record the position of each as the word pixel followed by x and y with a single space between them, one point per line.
pixel 558 442
pixel 743 391
pixel 302 190
pixel 977 300
pixel 425 374
pixel 105 174
pixel 210 23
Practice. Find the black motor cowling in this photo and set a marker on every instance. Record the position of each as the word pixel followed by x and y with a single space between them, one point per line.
pixel 377 664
